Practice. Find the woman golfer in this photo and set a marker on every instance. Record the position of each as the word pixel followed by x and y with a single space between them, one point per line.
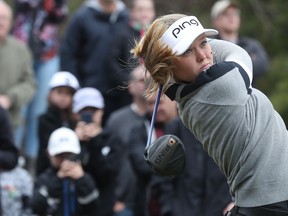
pixel 236 123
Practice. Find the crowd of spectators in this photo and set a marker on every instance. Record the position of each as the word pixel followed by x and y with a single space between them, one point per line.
pixel 74 117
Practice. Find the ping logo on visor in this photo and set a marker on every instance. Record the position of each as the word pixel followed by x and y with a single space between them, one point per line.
pixel 182 26
pixel 181 34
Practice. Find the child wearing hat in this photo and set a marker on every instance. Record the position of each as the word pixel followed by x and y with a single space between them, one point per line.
pixel 88 103
pixel 100 149
pixel 59 113
pixel 64 188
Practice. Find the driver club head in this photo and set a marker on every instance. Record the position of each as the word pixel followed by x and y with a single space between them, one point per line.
pixel 166 155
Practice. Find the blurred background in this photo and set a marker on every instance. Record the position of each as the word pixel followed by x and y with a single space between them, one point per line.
pixel 264 20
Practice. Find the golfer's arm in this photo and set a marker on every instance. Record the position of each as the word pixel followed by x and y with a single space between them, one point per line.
pixel 227 51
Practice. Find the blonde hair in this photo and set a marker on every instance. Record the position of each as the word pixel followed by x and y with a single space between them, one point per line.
pixel 158 58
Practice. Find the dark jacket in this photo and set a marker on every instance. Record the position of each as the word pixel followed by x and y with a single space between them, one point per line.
pixel 134 34
pixel 142 170
pixel 201 189
pixel 8 151
pixel 101 159
pixel 55 196
pixel 95 50
pixel 48 122
pixel 95 46
pixel 12 178
pixel 258 56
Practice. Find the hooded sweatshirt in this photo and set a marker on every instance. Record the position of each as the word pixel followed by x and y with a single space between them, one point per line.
pixel 95 46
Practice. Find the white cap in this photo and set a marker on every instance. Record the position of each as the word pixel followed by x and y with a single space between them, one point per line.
pixel 220 6
pixel 87 97
pixel 63 78
pixel 181 34
pixel 63 140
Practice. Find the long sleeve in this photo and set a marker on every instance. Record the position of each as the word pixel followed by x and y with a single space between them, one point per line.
pixel 22 91
pixel 44 131
pixel 70 48
pixel 257 53
pixel 119 61
pixel 47 186
pixel 87 193
pixel 103 153
pixel 136 152
pixel 226 51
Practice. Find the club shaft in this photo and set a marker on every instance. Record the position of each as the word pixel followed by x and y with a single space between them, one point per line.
pixel 154 116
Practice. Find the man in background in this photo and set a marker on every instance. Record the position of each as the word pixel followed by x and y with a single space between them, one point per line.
pixel 142 14
pixel 17 84
pixel 94 49
pixel 121 122
pixel 226 18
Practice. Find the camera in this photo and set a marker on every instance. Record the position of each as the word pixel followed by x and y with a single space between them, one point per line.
pixel 86 117
pixel 73 157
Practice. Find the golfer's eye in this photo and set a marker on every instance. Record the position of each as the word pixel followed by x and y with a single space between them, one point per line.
pixel 187 52
pixel 204 43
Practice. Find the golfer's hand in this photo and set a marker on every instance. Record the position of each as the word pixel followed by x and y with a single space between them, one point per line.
pixel 228 208
pixel 5 102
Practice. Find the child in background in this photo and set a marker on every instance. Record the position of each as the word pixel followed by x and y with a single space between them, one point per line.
pixel 16 184
pixel 62 86
pixel 64 188
pixel 100 149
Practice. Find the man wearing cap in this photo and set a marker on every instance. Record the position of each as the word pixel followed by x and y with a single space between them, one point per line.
pixel 100 149
pixel 226 18
pixel 65 188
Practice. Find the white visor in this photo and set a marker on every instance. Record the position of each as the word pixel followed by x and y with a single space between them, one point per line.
pixel 181 34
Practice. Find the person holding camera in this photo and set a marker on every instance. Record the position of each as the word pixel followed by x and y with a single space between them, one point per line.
pixel 100 149
pixel 59 113
pixel 64 188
